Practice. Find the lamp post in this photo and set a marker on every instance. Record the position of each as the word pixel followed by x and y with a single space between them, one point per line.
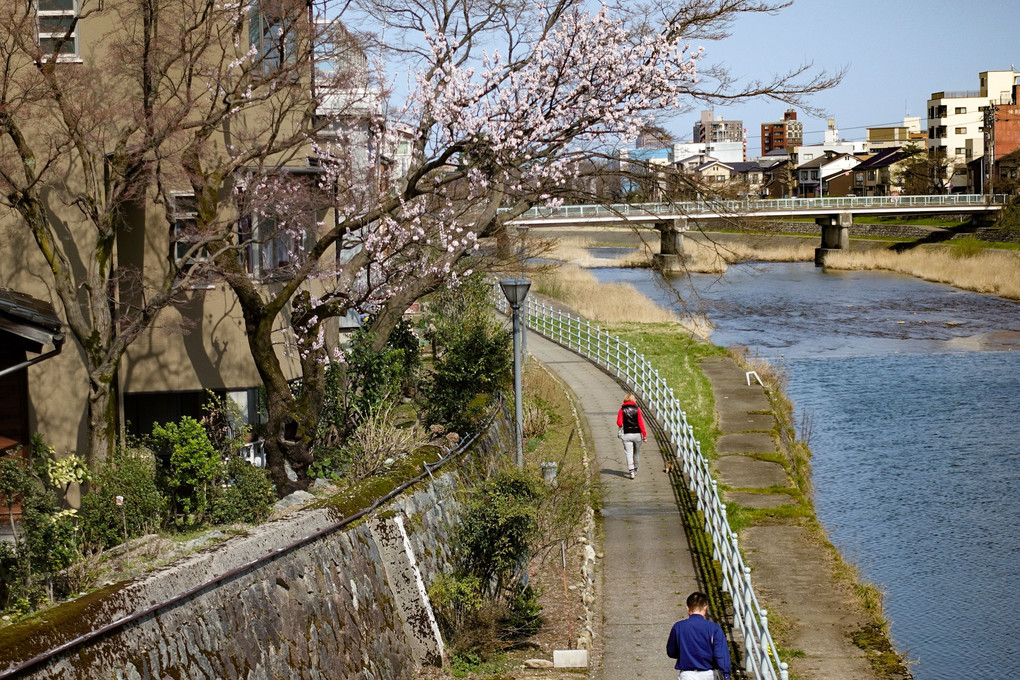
pixel 522 231
pixel 516 290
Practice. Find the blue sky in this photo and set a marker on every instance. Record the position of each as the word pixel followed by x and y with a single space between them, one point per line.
pixel 897 53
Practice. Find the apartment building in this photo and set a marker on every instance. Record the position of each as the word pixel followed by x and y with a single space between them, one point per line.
pixel 198 342
pixel 710 130
pixel 956 122
pixel 785 134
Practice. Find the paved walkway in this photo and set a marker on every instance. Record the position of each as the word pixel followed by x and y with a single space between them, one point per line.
pixel 648 570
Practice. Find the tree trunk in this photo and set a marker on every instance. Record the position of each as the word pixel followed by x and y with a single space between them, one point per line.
pixel 102 419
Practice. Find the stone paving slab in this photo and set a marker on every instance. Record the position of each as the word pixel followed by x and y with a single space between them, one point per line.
pixel 740 402
pixel 647 569
pixel 741 421
pixel 745 442
pixel 743 472
pixel 759 501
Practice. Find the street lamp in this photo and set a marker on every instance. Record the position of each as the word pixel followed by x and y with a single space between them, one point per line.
pixel 522 231
pixel 515 291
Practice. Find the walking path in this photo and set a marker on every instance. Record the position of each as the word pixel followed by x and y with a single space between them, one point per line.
pixel 648 570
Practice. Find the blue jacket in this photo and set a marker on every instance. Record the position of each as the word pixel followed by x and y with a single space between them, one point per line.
pixel 698 644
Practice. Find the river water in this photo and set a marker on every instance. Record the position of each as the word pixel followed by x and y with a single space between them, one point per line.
pixel 911 393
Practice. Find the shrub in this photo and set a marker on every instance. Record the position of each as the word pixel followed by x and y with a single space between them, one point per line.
pixel 967 246
pixel 455 600
pixel 536 420
pixel 363 383
pixel 224 424
pixel 472 355
pixel 246 496
pixel 331 461
pixel 15 485
pixel 192 466
pixel 479 361
pixel 524 614
pixel 131 474
pixel 498 525
pixel 468 619
pixel 52 544
pixel 377 440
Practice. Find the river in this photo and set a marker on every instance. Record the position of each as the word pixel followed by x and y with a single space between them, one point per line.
pixel 911 393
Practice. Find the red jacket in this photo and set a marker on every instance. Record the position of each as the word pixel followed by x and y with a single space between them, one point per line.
pixel 630 419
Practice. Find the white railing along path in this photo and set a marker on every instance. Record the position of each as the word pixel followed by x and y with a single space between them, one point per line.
pixel 761 658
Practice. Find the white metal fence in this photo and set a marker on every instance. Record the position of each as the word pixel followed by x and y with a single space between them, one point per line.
pixel 761 658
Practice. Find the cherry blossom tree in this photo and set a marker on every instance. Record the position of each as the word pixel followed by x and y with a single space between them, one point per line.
pixel 502 105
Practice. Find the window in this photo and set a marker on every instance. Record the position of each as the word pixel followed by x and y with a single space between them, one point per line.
pixel 271 30
pixel 270 245
pixel 960 109
pixel 961 130
pixel 184 230
pixel 58 27
pixel 960 151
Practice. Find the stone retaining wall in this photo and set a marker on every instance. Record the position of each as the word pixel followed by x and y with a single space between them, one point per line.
pixel 350 604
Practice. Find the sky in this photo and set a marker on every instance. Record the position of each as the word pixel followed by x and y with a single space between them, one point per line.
pixel 897 53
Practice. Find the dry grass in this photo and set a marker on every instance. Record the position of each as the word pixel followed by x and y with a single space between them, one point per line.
pixel 703 257
pixel 710 257
pixel 575 250
pixel 989 271
pixel 608 302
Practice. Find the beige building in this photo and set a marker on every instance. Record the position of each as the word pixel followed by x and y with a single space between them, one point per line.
pixel 955 121
pixel 198 342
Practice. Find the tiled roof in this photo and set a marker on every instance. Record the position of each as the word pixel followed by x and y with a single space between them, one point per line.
pixel 28 309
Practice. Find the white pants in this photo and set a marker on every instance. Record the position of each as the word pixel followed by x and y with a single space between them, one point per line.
pixel 697 675
pixel 632 447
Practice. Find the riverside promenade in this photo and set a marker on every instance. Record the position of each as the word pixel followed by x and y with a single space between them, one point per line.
pixel 648 569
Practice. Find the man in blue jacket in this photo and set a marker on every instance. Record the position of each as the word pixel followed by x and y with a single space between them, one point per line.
pixel 697 644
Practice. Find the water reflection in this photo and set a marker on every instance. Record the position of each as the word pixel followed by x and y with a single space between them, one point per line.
pixel 915 438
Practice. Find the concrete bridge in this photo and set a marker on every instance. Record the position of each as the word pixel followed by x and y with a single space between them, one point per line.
pixel 833 215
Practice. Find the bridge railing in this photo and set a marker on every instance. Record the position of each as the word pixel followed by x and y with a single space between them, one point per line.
pixel 636 211
pixel 761 658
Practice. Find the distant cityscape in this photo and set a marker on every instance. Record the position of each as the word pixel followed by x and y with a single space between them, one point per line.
pixel 970 144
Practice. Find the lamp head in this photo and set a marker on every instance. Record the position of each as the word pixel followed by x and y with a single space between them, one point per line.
pixel 515 290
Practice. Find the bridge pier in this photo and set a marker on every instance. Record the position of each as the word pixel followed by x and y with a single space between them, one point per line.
pixel 671 257
pixel 835 234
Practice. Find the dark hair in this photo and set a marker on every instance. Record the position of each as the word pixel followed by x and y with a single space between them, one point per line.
pixel 697 601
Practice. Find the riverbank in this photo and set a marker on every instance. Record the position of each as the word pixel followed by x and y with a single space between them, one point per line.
pixel 828 624
pixel 963 261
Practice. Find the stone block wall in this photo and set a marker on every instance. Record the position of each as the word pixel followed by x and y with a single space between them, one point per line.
pixel 349 604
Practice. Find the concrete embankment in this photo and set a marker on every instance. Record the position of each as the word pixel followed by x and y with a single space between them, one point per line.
pixel 795 572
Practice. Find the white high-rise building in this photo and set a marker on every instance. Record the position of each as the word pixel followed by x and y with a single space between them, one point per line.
pixel 955 121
